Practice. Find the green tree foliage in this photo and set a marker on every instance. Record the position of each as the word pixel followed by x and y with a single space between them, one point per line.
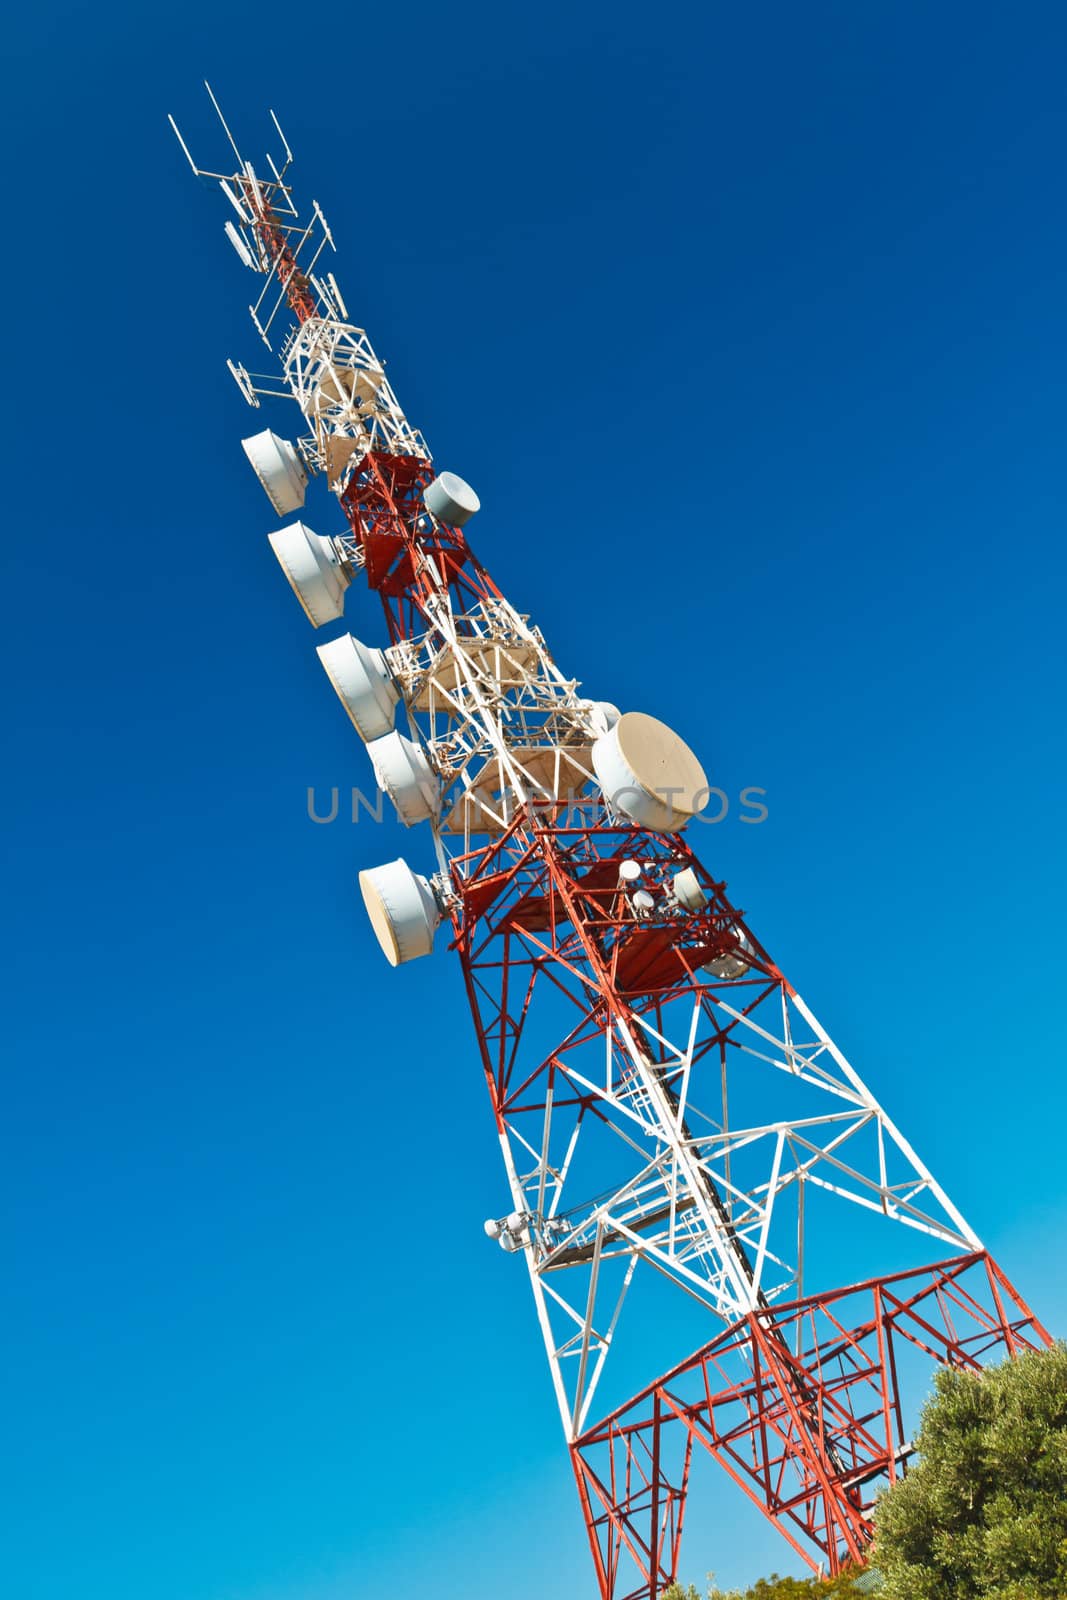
pixel 983 1515
pixel 848 1586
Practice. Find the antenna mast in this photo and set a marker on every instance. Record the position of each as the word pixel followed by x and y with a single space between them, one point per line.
pixel 668 1109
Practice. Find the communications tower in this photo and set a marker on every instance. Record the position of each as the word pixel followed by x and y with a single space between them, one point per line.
pixel 669 1111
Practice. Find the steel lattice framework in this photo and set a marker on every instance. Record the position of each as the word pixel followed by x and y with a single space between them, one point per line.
pixel 667 1106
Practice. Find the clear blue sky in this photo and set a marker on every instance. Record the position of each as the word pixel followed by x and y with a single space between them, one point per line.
pixel 748 324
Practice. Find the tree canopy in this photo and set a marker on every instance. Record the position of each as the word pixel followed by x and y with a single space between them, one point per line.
pixel 983 1513
pixel 847 1586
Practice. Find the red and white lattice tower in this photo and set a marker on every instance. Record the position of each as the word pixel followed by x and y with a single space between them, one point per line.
pixel 669 1110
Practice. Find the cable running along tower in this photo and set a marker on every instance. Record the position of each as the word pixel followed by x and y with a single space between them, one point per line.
pixel 669 1111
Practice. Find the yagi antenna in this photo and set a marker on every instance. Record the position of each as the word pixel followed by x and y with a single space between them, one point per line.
pixel 200 171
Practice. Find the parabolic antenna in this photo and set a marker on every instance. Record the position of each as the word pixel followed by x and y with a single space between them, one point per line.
pixel 603 715
pixel 406 776
pixel 363 684
pixel 649 774
pixel 279 469
pixel 313 567
pixel 451 500
pixel 402 910
pixel 687 890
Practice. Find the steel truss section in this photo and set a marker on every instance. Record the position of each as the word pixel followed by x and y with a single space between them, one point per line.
pixel 684 1101
pixel 800 1406
pixel 340 385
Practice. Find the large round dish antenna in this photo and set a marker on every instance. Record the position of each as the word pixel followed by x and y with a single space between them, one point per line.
pixel 451 500
pixel 402 910
pixel 649 774
pixel 363 685
pixel 403 771
pixel 313 567
pixel 687 890
pixel 279 469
